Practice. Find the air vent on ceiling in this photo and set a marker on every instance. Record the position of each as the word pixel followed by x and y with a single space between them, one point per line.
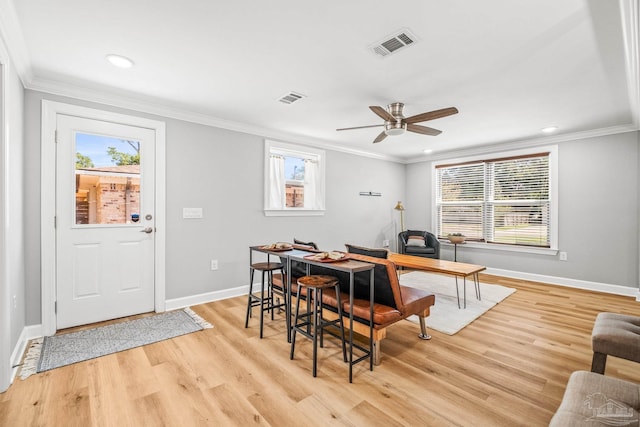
pixel 291 97
pixel 394 42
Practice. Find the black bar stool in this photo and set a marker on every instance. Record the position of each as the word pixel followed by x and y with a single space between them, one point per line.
pixel 311 323
pixel 268 303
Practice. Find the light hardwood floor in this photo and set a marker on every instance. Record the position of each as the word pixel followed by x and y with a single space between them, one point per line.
pixel 508 368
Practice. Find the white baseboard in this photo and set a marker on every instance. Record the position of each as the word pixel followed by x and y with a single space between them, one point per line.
pixel 570 283
pixel 28 333
pixel 191 300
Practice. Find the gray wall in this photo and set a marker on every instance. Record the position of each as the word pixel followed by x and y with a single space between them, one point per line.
pixel 598 214
pixel 221 171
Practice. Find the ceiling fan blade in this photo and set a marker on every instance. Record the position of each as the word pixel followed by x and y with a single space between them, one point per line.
pixel 380 137
pixel 361 127
pixel 431 115
pixel 382 113
pixel 423 130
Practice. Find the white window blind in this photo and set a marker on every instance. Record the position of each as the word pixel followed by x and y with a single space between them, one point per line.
pixel 504 200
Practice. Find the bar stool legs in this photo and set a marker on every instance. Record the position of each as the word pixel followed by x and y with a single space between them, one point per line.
pixel 311 324
pixel 268 303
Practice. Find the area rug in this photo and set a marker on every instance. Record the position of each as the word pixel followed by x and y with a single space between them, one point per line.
pixel 445 315
pixel 60 350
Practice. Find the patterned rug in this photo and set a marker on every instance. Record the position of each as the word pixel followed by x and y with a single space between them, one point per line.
pixel 445 315
pixel 65 349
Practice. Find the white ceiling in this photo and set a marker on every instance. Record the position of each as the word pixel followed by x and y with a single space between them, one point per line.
pixel 510 67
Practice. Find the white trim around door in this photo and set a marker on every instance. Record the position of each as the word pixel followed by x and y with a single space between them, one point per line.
pixel 50 110
pixel 5 305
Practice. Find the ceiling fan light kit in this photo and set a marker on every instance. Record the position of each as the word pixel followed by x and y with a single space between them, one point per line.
pixel 395 122
pixel 394 128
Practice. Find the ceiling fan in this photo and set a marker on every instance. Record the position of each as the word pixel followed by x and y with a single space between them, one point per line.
pixel 395 123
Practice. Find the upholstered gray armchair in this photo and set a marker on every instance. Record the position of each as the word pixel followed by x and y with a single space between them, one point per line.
pixel 419 243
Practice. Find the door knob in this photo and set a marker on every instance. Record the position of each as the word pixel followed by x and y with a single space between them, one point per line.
pixel 147 230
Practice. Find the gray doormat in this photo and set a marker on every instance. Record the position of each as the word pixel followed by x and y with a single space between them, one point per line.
pixel 65 349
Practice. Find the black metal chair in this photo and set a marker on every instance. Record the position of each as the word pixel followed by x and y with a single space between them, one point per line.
pixel 422 244
pixel 310 244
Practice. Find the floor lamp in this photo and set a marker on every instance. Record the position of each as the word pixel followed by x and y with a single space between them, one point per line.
pixel 400 208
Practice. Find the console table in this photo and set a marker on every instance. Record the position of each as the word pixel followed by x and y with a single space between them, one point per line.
pixel 350 266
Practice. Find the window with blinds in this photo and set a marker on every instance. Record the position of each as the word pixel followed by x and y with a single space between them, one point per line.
pixel 504 200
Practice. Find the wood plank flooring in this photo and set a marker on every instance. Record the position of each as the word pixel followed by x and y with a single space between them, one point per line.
pixel 509 368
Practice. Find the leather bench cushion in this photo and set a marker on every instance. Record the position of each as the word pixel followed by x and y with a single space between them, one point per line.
pixel 419 250
pixel 617 335
pixel 416 300
pixel 588 392
pixel 382 314
pixel 383 294
pixel 280 282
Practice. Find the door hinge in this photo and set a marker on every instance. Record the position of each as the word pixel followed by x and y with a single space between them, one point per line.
pixel 55 307
pixel 55 222
pixel 55 138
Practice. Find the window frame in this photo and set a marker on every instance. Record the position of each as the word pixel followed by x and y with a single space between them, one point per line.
pixel 292 150
pixel 553 197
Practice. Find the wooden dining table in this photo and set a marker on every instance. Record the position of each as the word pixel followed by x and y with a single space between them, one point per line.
pixel 456 269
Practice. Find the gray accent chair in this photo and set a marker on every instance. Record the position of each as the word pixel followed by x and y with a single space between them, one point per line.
pixel 592 399
pixel 431 248
pixel 616 335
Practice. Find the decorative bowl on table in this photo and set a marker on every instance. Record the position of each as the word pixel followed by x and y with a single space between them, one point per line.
pixel 456 238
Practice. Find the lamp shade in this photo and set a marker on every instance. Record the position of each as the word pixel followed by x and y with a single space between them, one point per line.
pixel 399 206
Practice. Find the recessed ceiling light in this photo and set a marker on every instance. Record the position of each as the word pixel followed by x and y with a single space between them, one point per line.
pixel 427 151
pixel 120 61
pixel 550 129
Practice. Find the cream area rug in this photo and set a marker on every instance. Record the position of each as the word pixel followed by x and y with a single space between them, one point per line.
pixel 445 315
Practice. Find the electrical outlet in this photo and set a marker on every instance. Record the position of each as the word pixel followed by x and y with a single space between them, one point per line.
pixel 214 264
pixel 563 256
pixel 385 243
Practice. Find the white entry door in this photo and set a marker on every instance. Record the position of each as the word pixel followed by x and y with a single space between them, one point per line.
pixel 104 220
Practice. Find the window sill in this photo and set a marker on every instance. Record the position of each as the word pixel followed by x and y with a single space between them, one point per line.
pixel 506 248
pixel 293 212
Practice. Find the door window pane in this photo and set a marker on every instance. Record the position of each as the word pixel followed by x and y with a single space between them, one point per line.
pixel 107 180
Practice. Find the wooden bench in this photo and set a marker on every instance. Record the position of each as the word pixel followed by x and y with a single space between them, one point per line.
pixel 393 301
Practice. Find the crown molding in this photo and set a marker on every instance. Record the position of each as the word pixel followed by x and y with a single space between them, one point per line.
pixel 11 35
pixel 160 108
pixel 524 143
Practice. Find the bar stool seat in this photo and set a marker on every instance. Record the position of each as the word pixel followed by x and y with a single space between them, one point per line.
pixel 266 303
pixel 311 324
